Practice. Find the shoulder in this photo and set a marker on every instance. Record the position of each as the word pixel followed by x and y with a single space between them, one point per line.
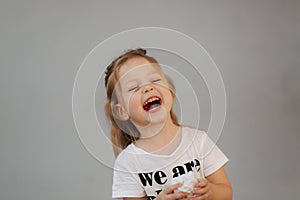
pixel 125 157
pixel 198 138
pixel 193 133
pixel 125 152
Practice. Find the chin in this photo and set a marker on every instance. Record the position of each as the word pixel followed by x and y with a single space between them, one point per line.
pixel 154 117
pixel 158 117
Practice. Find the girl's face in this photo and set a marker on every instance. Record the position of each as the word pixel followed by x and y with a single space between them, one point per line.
pixel 145 93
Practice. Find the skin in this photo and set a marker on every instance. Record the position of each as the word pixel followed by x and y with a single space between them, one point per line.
pixel 140 80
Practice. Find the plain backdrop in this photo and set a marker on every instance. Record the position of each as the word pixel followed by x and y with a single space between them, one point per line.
pixel 255 44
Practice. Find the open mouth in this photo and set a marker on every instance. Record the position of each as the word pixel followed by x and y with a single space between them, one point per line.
pixel 151 103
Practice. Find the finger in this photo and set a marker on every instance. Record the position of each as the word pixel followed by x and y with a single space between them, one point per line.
pixel 200 191
pixel 179 195
pixel 170 189
pixel 186 198
pixel 201 183
pixel 202 197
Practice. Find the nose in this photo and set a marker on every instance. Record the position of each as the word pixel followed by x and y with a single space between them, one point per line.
pixel 147 88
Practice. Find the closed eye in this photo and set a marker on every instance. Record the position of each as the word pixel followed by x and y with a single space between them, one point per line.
pixel 156 80
pixel 132 89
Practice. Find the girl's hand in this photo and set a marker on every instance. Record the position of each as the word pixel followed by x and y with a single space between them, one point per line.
pixel 168 193
pixel 202 190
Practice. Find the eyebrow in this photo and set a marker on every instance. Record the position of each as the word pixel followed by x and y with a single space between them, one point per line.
pixel 151 73
pixel 130 83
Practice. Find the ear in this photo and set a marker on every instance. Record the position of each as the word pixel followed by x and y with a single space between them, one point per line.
pixel 120 112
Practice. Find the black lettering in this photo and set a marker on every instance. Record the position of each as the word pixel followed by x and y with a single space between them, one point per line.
pixel 146 178
pixel 153 197
pixel 177 171
pixel 189 166
pixel 197 165
pixel 158 191
pixel 158 177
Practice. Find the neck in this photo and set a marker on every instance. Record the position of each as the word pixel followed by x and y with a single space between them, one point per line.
pixel 156 136
pixel 152 131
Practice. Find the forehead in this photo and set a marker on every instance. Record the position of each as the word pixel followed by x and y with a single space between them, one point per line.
pixel 137 66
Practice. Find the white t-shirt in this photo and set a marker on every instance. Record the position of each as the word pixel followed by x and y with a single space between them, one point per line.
pixel 138 173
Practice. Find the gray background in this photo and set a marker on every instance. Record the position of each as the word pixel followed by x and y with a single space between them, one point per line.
pixel 42 44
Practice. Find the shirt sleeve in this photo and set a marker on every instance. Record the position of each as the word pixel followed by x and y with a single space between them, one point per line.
pixel 213 157
pixel 125 182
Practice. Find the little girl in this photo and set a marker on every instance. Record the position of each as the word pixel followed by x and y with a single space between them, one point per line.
pixel 152 149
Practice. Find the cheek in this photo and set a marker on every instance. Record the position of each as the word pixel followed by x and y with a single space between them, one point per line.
pixel 170 99
pixel 126 101
pixel 167 95
pixel 133 101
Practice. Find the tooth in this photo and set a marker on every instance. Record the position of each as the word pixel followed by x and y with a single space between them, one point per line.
pixel 151 100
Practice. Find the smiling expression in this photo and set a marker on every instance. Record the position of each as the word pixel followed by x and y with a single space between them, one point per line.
pixel 145 94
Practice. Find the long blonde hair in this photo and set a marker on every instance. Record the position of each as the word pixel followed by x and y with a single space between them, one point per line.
pixel 122 133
